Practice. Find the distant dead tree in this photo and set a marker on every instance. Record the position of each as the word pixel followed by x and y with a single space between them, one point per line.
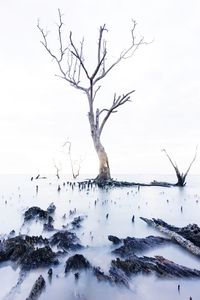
pixel 181 177
pixel 75 164
pixel 58 168
pixel 72 68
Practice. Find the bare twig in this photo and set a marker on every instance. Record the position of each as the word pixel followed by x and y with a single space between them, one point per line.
pixel 118 101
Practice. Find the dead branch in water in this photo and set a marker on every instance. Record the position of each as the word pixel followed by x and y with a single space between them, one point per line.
pixel 181 176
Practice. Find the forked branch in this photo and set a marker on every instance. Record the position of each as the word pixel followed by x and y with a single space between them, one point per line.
pixel 70 59
pixel 117 101
pixel 181 176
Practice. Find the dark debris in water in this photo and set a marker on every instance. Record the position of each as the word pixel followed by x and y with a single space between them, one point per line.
pixel 37 288
pixel 158 265
pixel 133 245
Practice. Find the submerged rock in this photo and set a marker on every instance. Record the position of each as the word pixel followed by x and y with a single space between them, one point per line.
pixel 76 223
pixel 115 240
pixel 49 225
pixel 14 248
pixel 76 262
pixel 65 240
pixel 41 257
pixel 21 249
pixel 35 212
pixel 51 208
pixel 37 289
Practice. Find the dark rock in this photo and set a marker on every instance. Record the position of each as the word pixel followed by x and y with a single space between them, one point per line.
pixel 41 257
pixel 14 248
pixel 100 275
pixel 119 277
pixel 49 225
pixel 22 250
pixel 51 208
pixel 76 275
pixel 12 233
pixel 50 272
pixel 158 265
pixel 114 239
pixel 116 276
pixel 76 223
pixel 37 288
pixel 134 245
pixel 65 240
pixel 35 213
pixel 76 262
pixel 79 262
pixel 36 240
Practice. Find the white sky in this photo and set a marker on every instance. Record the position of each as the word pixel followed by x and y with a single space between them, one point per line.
pixel 39 111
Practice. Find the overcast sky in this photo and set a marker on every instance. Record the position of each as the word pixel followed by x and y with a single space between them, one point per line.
pixel 39 112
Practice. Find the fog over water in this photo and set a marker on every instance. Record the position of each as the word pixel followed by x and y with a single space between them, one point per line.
pixel 19 193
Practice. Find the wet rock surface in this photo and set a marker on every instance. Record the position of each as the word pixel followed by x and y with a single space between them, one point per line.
pixel 37 289
pixel 76 262
pixel 51 208
pixel 65 240
pixel 133 245
pixel 35 212
pixel 41 257
pixel 31 252
pixel 115 240
pixel 76 223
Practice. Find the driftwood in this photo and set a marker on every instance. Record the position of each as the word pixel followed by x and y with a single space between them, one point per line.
pixel 158 265
pixel 190 232
pixel 132 245
pixel 174 235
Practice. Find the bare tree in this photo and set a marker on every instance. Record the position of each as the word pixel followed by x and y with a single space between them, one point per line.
pixel 58 168
pixel 77 163
pixel 181 177
pixel 72 68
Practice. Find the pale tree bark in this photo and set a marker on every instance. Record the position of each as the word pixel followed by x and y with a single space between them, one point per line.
pixel 75 171
pixel 72 68
pixel 181 177
pixel 185 243
pixel 58 168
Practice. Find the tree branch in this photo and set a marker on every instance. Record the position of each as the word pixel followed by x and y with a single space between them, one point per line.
pixel 70 73
pixel 194 158
pixel 124 54
pixel 76 54
pixel 116 103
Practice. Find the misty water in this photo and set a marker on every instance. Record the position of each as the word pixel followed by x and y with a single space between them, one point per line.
pixel 18 193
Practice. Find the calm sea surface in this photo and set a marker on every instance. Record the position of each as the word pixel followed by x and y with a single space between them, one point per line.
pixel 18 192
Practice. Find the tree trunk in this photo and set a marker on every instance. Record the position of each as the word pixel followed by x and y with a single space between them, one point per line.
pixel 104 169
